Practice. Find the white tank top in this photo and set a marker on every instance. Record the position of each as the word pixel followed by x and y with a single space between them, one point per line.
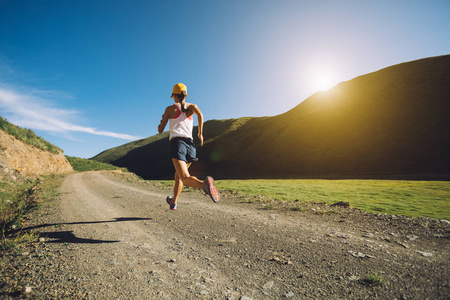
pixel 181 125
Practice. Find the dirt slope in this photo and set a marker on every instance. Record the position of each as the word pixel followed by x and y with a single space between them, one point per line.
pixel 108 238
pixel 19 157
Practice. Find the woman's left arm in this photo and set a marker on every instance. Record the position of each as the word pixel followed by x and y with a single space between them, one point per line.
pixel 199 114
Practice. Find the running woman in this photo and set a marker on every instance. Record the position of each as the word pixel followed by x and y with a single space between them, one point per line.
pixel 182 148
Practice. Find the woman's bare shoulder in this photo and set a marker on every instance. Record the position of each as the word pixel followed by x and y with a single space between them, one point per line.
pixel 191 105
pixel 171 111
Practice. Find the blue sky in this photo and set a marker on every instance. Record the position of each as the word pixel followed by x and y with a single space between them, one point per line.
pixel 90 75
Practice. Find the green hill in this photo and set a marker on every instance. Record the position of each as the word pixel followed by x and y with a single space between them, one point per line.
pixel 393 122
pixel 27 136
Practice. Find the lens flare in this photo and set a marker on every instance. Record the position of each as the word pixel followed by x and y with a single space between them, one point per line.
pixel 323 80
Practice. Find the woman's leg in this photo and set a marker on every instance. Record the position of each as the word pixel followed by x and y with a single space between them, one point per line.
pixel 178 187
pixel 181 168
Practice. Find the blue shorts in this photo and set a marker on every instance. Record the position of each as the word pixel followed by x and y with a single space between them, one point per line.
pixel 183 149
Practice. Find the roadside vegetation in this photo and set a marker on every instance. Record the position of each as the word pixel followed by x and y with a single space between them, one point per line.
pixel 19 198
pixel 83 165
pixel 393 197
pixel 373 280
pixel 27 136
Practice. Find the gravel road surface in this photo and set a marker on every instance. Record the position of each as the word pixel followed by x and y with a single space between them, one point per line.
pixel 112 237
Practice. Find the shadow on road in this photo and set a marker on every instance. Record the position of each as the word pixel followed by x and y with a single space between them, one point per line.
pixel 68 236
pixel 81 223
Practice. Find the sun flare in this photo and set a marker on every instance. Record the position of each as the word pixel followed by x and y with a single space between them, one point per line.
pixel 323 81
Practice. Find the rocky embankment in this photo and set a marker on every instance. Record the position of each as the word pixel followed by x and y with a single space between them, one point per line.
pixel 19 159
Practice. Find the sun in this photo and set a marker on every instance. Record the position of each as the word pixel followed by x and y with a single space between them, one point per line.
pixel 323 80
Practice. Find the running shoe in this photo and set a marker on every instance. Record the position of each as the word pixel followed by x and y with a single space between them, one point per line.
pixel 210 189
pixel 173 206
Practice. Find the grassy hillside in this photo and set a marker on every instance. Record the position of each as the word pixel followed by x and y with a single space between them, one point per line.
pixel 393 122
pixel 27 136
pixel 82 165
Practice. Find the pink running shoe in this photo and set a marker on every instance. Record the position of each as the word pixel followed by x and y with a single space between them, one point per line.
pixel 210 189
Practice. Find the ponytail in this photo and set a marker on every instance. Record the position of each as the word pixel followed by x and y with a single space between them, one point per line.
pixel 182 96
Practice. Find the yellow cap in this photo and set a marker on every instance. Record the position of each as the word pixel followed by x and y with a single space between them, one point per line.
pixel 179 89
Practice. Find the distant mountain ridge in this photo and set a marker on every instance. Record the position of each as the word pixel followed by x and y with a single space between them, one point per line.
pixel 392 122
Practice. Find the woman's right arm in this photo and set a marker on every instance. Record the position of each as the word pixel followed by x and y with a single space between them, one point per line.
pixel 164 120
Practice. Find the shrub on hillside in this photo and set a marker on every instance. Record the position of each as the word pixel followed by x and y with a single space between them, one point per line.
pixel 27 136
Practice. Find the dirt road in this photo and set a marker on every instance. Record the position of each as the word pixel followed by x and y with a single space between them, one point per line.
pixel 123 242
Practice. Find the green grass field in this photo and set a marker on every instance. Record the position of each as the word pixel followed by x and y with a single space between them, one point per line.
pixel 394 197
